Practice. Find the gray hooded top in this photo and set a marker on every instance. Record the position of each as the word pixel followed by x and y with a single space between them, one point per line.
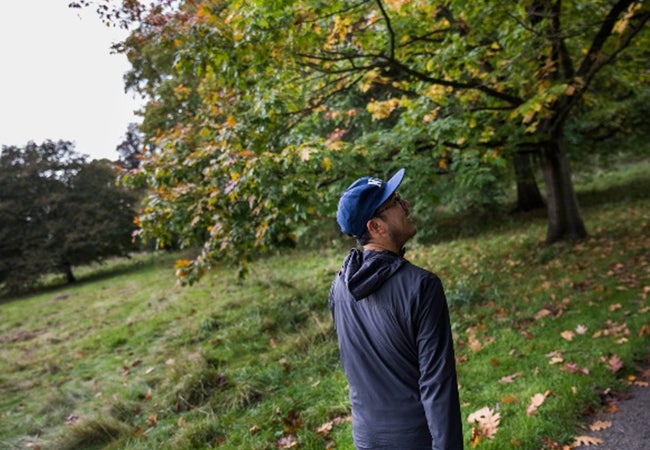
pixel 394 334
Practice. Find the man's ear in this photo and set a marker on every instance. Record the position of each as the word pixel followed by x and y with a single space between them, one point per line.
pixel 374 227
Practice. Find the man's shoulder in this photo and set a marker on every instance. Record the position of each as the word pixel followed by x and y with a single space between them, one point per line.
pixel 420 272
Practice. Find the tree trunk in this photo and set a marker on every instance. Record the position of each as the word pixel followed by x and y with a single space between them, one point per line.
pixel 528 195
pixel 564 220
pixel 67 269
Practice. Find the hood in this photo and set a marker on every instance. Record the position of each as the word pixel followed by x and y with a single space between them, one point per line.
pixel 364 272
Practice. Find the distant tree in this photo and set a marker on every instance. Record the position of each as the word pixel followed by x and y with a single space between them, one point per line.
pixel 130 149
pixel 58 211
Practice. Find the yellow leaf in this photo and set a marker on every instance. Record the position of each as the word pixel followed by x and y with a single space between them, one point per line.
pixel 327 164
pixel 231 121
pixel 382 109
pixel 586 440
pixel 529 116
pixel 368 80
pixel 476 436
pixel 181 263
pixel 600 425
pixel 436 92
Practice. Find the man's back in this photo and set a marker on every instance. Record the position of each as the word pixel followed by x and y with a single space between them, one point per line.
pixel 396 348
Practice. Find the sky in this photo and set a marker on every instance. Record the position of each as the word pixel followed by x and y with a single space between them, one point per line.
pixel 59 80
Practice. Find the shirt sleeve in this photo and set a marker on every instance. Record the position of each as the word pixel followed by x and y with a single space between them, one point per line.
pixel 438 381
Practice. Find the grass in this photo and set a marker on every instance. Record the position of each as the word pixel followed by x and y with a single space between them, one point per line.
pixel 128 360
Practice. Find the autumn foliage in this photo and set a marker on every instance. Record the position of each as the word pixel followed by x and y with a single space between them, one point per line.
pixel 260 112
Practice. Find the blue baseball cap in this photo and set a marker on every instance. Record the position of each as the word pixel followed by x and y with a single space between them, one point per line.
pixel 360 201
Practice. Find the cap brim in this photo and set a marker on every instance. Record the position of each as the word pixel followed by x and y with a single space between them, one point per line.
pixel 392 185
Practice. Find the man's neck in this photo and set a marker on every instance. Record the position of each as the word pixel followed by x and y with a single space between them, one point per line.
pixel 378 247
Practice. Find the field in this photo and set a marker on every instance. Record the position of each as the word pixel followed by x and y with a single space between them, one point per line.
pixel 126 359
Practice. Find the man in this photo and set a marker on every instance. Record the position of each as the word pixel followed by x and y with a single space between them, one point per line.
pixel 393 328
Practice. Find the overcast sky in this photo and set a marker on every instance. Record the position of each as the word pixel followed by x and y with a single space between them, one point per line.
pixel 58 79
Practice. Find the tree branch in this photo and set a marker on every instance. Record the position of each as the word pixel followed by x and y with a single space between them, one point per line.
pixel 391 33
pixel 474 84
pixel 591 58
pixel 559 46
pixel 598 63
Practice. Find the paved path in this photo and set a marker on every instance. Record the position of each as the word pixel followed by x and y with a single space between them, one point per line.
pixel 630 428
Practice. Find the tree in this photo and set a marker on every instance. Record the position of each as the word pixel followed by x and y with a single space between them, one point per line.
pixel 514 73
pixel 58 211
pixel 131 148
pixel 242 96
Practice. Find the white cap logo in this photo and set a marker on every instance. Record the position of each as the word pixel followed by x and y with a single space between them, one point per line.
pixel 375 182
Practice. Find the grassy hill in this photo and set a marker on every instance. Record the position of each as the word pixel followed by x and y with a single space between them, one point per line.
pixel 128 360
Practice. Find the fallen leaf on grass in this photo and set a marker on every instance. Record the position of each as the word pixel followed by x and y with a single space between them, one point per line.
pixel 152 420
pixel 487 423
pixel 556 357
pixel 568 335
pixel 600 425
pixel 644 331
pixel 615 306
pixel 641 383
pixel 581 329
pixel 535 402
pixel 615 364
pixel 554 445
pixel 586 440
pixel 542 313
pixel 289 441
pixel 509 399
pixel 292 422
pixel 510 378
pixel 325 429
pixel 572 367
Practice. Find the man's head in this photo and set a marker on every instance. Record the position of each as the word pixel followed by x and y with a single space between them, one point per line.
pixel 370 208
